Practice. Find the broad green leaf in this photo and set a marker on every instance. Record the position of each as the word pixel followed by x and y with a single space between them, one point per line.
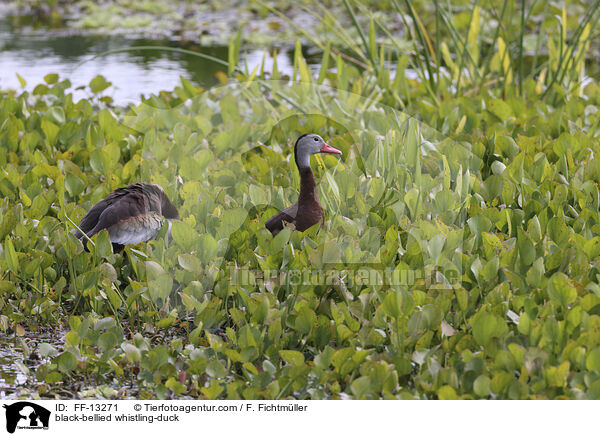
pixel 50 79
pixel 486 326
pixel 500 108
pixel 560 290
pixel 558 231
pixel 305 319
pixel 592 362
pixel 98 84
pixel 160 282
pixel 361 387
pixel 292 357
pixel 447 393
pixel 50 131
pixel 481 386
pixel 184 235
pixel 66 361
pixel 392 304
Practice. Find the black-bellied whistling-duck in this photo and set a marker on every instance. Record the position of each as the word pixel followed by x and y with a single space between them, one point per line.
pixel 307 211
pixel 130 214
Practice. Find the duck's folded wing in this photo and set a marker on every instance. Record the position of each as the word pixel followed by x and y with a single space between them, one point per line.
pixel 275 223
pixel 90 220
pixel 107 214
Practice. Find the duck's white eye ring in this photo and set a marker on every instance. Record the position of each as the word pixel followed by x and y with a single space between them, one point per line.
pixel 316 139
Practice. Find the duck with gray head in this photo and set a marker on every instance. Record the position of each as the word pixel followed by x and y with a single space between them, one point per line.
pixel 307 211
pixel 130 214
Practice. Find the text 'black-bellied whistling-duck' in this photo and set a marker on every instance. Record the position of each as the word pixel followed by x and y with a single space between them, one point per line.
pixel 307 211
pixel 130 214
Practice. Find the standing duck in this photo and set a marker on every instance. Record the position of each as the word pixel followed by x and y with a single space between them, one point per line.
pixel 307 211
pixel 130 214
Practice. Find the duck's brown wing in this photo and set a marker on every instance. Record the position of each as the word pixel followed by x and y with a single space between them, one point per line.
pixel 118 207
pixel 275 223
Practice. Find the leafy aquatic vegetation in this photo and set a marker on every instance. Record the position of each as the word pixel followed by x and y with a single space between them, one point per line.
pixel 459 258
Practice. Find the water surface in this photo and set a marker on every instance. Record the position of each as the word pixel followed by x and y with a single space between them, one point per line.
pixel 32 53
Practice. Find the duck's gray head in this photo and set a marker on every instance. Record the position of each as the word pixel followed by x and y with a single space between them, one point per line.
pixel 310 143
pixel 168 209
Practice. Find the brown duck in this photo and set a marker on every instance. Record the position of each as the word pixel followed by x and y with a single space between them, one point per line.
pixel 130 214
pixel 307 211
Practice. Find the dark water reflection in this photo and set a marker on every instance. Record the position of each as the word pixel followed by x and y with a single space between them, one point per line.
pixel 33 53
pixel 12 377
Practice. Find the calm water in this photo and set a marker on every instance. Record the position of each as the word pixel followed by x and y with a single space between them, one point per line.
pixel 10 376
pixel 33 53
pixel 12 380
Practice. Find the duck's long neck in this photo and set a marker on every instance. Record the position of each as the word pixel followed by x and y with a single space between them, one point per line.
pixel 308 187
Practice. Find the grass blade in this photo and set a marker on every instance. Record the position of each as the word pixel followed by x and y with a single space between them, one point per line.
pixel 362 36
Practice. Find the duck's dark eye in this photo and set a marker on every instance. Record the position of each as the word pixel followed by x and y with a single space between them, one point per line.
pixel 316 139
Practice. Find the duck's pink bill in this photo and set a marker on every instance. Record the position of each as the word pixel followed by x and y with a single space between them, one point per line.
pixel 329 149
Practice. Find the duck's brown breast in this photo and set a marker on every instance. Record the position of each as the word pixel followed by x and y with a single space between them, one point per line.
pixel 308 215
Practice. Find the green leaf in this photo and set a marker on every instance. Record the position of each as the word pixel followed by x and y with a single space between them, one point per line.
pixel 592 361
pixel 72 338
pixel 500 108
pixel 66 362
pixel 11 256
pixel 175 386
pixel 184 235
pixel 447 393
pixel 189 262
pixel 481 386
pixel 207 248
pixel 305 319
pixel 132 352
pixel 98 84
pixel 280 240
pixel 213 391
pixel 160 282
pixel 56 114
pixel 50 131
pixel 558 231
pixel 487 326
pixel 331 253
pixel 526 247
pixel 292 357
pixel 557 375
pixel 103 246
pixel 107 340
pixel 74 185
pixel 50 79
pixel 47 350
pixel 361 387
pixel 100 161
pixel 536 273
pixel 215 369
pixel 592 248
pixel 479 224
pixel 392 304
pixel 324 64
pixel 560 291
pixel 258 195
pixel 22 81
